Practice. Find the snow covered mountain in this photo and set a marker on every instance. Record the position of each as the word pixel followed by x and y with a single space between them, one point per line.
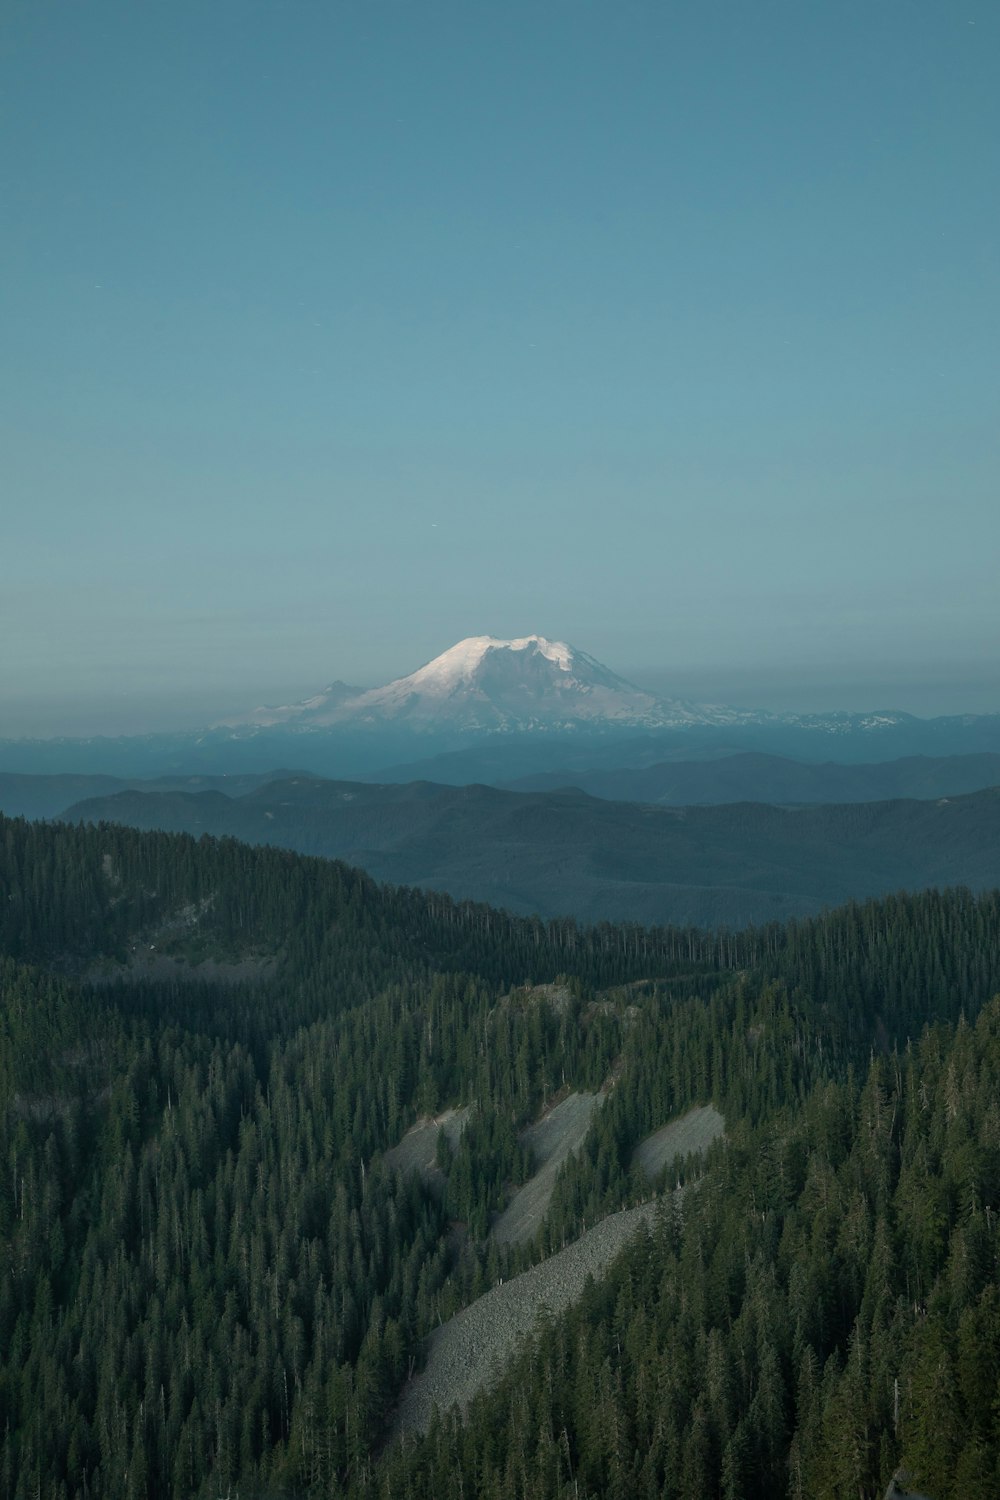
pixel 493 711
pixel 486 684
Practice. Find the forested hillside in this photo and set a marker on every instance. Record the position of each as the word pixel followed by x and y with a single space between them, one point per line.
pixel 826 1303
pixel 215 1284
pixel 569 854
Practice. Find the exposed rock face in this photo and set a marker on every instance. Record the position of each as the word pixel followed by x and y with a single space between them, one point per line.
pixel 471 1351
pixel 551 1140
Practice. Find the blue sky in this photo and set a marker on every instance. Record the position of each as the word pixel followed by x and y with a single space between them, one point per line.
pixel 333 332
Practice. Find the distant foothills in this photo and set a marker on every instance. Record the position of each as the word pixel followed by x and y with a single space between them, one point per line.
pixel 491 710
pixel 563 852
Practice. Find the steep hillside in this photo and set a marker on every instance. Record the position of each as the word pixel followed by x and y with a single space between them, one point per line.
pixel 821 1316
pixel 220 1274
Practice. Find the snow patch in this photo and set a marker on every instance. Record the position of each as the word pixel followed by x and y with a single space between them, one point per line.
pixel 459 664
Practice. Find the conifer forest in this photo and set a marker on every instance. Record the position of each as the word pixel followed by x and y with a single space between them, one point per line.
pixel 218 1280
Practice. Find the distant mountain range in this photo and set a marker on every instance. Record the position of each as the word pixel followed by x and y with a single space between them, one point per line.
pixel 565 853
pixel 750 777
pixel 490 710
pixel 49 796
pixel 754 777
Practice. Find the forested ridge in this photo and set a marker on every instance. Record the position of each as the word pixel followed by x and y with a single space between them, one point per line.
pixel 566 853
pixel 213 1283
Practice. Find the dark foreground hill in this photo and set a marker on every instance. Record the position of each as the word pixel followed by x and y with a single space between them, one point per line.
pixel 216 1283
pixel 570 854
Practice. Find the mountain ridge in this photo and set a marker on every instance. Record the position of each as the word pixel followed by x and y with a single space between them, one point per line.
pixel 565 853
pixel 746 776
pixel 753 776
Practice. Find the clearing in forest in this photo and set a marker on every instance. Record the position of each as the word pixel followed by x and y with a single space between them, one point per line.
pixel 551 1139
pixel 694 1131
pixel 417 1151
pixel 473 1348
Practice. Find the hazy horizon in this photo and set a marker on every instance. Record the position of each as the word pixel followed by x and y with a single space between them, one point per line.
pixel 944 688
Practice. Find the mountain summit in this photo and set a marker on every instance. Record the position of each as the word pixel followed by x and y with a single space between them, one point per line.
pixel 486 684
pixel 525 683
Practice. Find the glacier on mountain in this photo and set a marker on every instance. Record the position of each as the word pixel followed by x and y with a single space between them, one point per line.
pixel 485 683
